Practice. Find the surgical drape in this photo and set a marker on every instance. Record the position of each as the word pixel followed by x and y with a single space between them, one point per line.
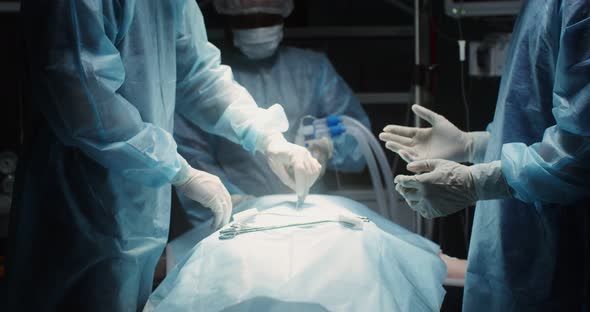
pixel 382 267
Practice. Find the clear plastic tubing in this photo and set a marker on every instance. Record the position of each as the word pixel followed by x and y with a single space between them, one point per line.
pixel 379 155
pixel 373 169
pixel 372 151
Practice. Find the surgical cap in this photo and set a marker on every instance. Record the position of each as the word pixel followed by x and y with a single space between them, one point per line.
pixel 239 7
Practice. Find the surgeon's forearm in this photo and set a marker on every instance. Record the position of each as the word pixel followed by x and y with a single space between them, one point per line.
pixel 80 81
pixel 456 268
pixel 206 93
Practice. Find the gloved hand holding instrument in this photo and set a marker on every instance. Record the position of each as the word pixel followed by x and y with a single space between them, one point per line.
pixel 292 163
pixel 322 150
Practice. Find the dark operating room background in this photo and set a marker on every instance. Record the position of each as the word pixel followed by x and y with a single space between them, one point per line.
pixel 370 43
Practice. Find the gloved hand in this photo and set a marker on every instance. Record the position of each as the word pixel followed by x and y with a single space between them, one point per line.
pixel 321 149
pixel 208 190
pixel 446 187
pixel 443 140
pixel 293 164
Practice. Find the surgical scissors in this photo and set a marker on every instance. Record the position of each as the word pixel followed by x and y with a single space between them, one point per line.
pixel 240 228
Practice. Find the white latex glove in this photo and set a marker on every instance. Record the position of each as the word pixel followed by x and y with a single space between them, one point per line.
pixel 321 149
pixel 293 164
pixel 208 190
pixel 443 140
pixel 446 187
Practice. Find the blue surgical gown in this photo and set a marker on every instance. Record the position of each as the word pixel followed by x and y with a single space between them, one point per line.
pixel 305 83
pixel 91 208
pixel 530 253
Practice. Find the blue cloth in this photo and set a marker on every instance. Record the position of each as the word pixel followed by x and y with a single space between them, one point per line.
pixel 530 253
pixel 382 267
pixel 305 83
pixel 92 204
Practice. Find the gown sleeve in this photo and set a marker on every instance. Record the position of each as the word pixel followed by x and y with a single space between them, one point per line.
pixel 207 94
pixel 557 169
pixel 81 69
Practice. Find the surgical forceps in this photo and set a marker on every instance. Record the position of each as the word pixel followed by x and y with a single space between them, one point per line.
pixel 240 228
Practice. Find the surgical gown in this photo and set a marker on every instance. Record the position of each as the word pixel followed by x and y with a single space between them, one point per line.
pixel 305 83
pixel 91 209
pixel 530 253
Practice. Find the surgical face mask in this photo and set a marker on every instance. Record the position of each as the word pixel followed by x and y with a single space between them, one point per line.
pixel 258 43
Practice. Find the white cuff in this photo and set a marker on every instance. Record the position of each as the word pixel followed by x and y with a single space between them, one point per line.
pixel 264 141
pixel 183 174
pixel 489 181
pixel 479 144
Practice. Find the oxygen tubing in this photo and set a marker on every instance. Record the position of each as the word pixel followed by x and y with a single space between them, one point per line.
pixel 373 169
pixel 379 155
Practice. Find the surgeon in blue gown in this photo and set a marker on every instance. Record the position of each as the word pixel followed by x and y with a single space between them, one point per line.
pixel 531 172
pixel 91 209
pixel 303 81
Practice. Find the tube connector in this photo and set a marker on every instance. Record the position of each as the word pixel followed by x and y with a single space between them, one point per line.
pixel 353 222
pixel 462 44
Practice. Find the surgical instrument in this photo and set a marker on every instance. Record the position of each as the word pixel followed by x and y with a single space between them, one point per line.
pixel 240 228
